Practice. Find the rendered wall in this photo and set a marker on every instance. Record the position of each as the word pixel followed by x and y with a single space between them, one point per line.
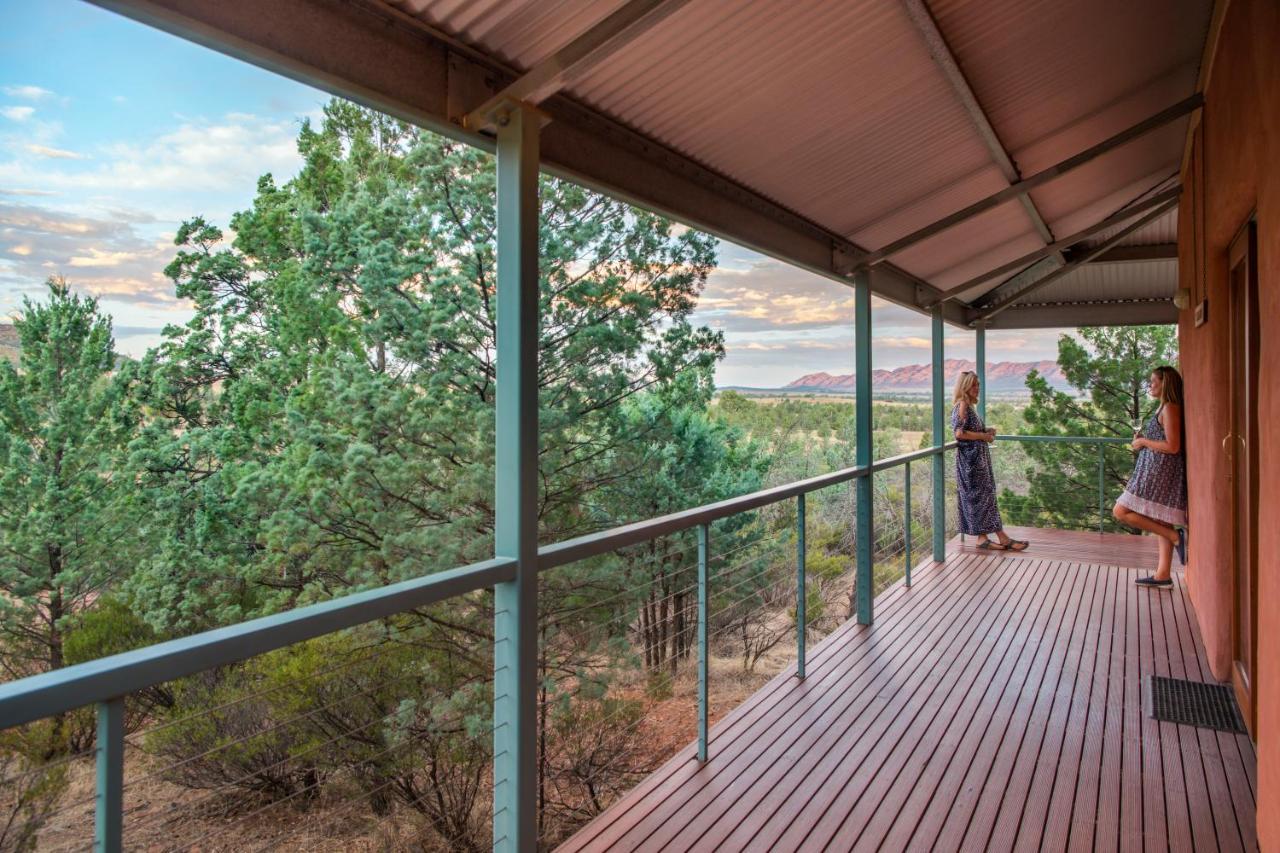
pixel 1240 147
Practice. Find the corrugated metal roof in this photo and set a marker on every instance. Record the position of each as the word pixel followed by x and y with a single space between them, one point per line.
pixel 838 112
pixel 1110 282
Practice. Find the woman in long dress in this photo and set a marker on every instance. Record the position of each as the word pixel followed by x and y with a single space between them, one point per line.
pixel 1155 498
pixel 979 515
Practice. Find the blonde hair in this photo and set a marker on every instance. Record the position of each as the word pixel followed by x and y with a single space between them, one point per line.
pixel 964 384
pixel 1170 384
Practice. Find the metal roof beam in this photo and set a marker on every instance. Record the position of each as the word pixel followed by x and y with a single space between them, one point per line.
pixel 986 312
pixel 556 71
pixel 1131 254
pixel 1140 129
pixel 946 61
pixel 1017 264
pixel 1070 315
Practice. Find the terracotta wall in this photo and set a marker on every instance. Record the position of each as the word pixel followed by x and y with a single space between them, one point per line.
pixel 1240 149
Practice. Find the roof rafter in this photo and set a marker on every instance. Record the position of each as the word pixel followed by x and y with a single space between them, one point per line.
pixel 582 53
pixel 1160 119
pixel 987 312
pixel 950 67
pixel 1017 264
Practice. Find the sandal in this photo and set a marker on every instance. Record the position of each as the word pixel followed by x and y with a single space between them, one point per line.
pixel 1014 543
pixel 988 545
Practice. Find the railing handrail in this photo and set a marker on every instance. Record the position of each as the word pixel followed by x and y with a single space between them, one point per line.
pixel 62 690
pixel 1070 439
pixel 594 544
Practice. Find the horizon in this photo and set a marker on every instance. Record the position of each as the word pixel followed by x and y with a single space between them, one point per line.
pixel 98 171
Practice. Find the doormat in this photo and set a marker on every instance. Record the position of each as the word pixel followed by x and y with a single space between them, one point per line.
pixel 1194 703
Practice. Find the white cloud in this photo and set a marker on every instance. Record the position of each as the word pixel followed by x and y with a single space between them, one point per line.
pixel 17 113
pixel 99 258
pixel 198 157
pixel 56 153
pixel 28 93
pixel 22 191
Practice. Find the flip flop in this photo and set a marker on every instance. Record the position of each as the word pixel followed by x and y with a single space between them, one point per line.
pixel 1014 543
pixel 1181 546
pixel 988 545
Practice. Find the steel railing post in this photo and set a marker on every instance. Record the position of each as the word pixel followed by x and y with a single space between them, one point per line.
pixel 802 622
pixel 1102 487
pixel 703 537
pixel 906 525
pixel 939 458
pixel 108 819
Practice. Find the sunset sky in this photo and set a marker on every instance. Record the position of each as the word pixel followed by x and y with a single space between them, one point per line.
pixel 112 133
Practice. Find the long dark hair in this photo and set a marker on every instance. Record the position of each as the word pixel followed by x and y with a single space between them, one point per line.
pixel 1170 384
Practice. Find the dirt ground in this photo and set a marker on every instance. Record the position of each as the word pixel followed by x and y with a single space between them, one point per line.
pixel 161 816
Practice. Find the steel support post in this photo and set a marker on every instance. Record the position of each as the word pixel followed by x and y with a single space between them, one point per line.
pixel 802 620
pixel 108 820
pixel 862 426
pixel 516 474
pixel 703 537
pixel 980 356
pixel 939 439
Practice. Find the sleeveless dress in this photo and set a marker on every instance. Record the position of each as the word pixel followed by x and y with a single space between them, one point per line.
pixel 976 484
pixel 1158 486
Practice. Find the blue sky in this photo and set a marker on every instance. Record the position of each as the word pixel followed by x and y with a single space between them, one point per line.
pixel 112 133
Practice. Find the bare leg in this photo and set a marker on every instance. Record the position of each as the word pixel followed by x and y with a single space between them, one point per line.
pixel 1142 522
pixel 1164 568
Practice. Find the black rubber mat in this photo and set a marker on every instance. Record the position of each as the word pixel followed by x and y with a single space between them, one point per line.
pixel 1194 703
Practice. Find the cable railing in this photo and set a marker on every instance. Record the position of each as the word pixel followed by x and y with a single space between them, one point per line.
pixel 657 613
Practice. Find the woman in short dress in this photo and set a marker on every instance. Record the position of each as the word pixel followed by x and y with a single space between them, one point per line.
pixel 1155 498
pixel 976 483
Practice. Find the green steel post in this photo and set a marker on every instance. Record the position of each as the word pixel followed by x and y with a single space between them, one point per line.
pixel 906 526
pixel 980 356
pixel 702 642
pixel 939 439
pixel 516 495
pixel 802 620
pixel 862 434
pixel 108 820
pixel 1102 487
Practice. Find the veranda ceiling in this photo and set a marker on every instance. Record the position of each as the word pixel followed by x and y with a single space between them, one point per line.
pixel 813 130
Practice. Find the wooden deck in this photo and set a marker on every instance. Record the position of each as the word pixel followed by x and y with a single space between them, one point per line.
pixel 995 705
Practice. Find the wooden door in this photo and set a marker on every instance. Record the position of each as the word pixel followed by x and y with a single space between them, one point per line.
pixel 1242 444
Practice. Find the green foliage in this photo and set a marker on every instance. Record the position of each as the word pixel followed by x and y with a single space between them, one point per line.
pixel 1110 366
pixel 64 422
pixel 32 787
pixel 325 421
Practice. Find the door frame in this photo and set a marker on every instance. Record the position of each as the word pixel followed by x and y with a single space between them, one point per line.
pixel 1243 250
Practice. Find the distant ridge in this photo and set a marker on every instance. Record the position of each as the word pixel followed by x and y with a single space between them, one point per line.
pixel 1001 376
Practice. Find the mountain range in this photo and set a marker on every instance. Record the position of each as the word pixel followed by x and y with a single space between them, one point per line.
pixel 10 346
pixel 1001 376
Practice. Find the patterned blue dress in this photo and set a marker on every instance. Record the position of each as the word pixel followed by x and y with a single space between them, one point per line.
pixel 975 481
pixel 1157 488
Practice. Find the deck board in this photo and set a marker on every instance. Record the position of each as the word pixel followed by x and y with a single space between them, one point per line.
pixel 994 705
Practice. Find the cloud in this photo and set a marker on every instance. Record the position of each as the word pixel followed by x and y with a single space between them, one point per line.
pixel 28 93
pixel 17 113
pixel 21 191
pixel 210 165
pixel 56 153
pixel 907 342
pixel 103 257
pixel 99 258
